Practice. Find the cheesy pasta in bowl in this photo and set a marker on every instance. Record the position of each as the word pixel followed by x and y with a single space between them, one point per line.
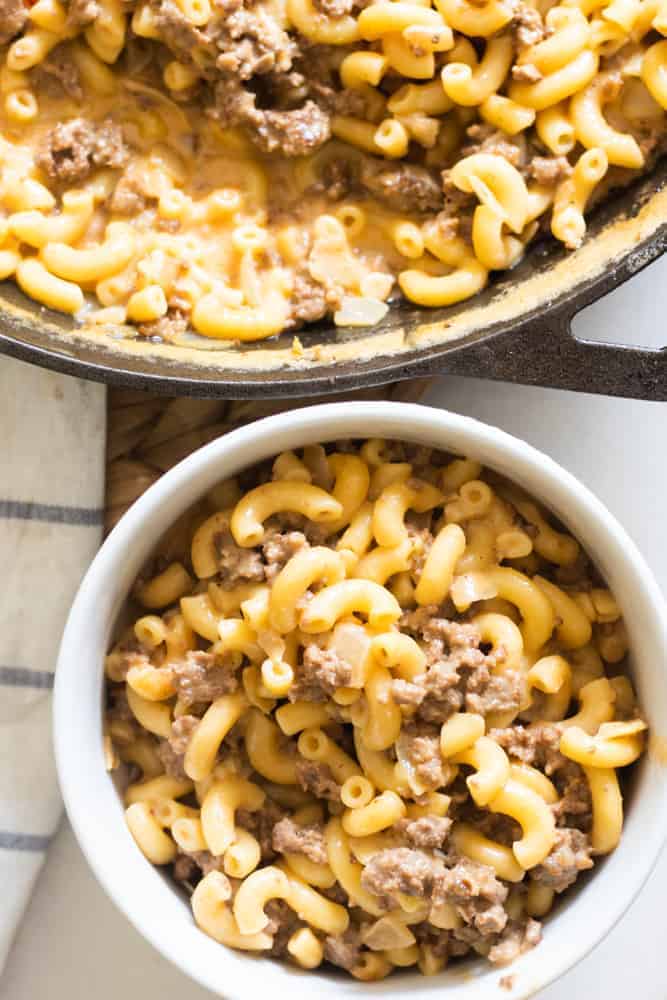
pixel 369 705
pixel 233 169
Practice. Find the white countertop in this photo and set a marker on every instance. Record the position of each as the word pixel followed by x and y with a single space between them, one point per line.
pixel 74 945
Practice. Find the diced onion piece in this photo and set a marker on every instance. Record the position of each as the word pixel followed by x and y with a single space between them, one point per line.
pixel 387 932
pixel 471 587
pixel 351 643
pixel 357 311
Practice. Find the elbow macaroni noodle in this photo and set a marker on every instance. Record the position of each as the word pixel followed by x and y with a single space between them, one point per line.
pixel 301 745
pixel 158 198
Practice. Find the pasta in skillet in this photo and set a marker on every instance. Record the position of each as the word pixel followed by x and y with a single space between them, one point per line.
pixel 372 711
pixel 236 168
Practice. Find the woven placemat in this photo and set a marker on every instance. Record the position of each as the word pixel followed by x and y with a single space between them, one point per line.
pixel 147 434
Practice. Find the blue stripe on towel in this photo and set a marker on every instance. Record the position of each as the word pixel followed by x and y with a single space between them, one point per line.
pixel 20 510
pixel 23 841
pixel 24 677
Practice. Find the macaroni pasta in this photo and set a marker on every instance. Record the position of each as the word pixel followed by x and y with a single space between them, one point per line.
pixel 193 173
pixel 342 770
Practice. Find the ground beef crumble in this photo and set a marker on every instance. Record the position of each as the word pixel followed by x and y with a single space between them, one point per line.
pixel 549 170
pixel 570 855
pixel 335 8
pixel 290 838
pixel 13 18
pixel 58 74
pixel 485 138
pixel 166 328
pixel 119 709
pixel 344 950
pixel 477 895
pixel 427 831
pixel 202 677
pixel 318 675
pixel 81 13
pixel 296 132
pixel 459 675
pixel 318 779
pixel 526 73
pixel 190 868
pixel 278 548
pixel 470 887
pixel 538 745
pixel 574 808
pixel 186 870
pixel 518 937
pixel 261 824
pixel 172 751
pixel 292 133
pixel 402 869
pixel 125 657
pixel 527 25
pixel 71 150
pixel 310 299
pixel 234 564
pixel 283 922
pixel 419 749
pixel 407 188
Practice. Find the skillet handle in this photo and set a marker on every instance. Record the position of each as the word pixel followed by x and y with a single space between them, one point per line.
pixel 546 353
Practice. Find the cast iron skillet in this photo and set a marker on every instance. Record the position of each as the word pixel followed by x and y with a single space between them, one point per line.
pixel 517 330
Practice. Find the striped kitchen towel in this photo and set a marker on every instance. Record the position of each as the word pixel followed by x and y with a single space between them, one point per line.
pixel 51 496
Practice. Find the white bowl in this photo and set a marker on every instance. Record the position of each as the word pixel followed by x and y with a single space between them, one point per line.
pixel 159 911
